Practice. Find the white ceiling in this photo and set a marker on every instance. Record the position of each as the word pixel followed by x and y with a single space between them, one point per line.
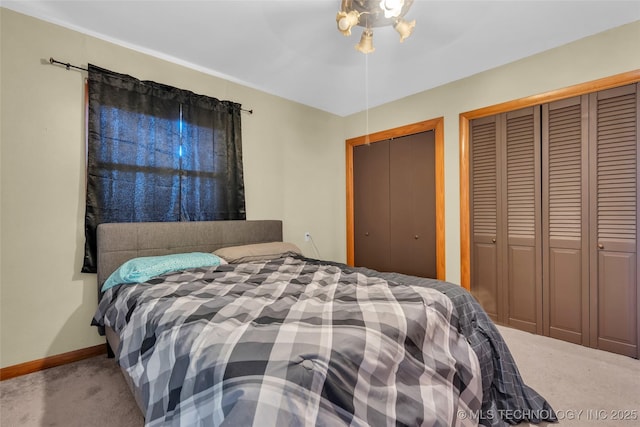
pixel 292 48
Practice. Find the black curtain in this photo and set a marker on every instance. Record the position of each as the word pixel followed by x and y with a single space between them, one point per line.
pixel 158 153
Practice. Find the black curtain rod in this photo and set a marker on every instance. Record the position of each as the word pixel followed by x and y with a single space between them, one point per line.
pixel 68 66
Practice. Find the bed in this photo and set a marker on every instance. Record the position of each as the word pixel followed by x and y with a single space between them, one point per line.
pixel 276 338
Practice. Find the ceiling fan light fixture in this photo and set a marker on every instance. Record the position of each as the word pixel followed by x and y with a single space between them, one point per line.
pixel 366 42
pixel 404 28
pixel 371 14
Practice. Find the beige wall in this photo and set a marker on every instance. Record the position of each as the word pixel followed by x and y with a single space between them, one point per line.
pixel 293 157
pixel 46 304
pixel 612 52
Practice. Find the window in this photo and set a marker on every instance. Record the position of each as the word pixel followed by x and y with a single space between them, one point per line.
pixel 158 153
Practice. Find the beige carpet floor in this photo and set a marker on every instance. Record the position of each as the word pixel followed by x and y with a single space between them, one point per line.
pixel 88 393
pixel 586 387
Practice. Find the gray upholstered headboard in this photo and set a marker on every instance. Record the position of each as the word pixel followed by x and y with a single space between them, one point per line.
pixel 120 242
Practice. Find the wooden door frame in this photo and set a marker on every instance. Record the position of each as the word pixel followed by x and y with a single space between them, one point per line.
pixel 568 92
pixel 436 125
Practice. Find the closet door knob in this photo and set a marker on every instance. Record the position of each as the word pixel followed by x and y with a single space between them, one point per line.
pixel 493 240
pixel 600 246
pixel 416 237
pixel 366 234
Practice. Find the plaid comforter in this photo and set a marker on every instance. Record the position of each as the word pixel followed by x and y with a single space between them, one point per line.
pixel 506 399
pixel 292 342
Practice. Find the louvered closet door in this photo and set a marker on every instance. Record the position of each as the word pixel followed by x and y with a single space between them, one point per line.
pixel 565 219
pixel 613 179
pixel 522 193
pixel 484 189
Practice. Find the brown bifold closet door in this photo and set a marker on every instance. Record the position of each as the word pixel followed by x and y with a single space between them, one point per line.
pixel 505 190
pixel 554 208
pixel 565 202
pixel 412 225
pixel 394 211
pixel 486 284
pixel 613 149
pixel 521 219
pixel 371 205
